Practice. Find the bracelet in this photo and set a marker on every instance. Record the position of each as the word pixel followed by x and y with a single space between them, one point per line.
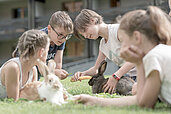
pixel 115 77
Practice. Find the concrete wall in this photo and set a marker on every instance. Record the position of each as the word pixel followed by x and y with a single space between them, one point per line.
pixel 105 4
pixel 39 9
pixel 6 8
pixel 6 49
pixel 50 6
pixel 129 3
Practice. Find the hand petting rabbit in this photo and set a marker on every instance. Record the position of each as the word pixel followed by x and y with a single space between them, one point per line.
pixel 50 89
pixel 123 87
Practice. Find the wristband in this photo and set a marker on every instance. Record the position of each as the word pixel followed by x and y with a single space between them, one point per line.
pixel 115 77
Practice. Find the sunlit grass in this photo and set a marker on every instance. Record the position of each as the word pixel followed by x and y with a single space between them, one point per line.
pixel 8 106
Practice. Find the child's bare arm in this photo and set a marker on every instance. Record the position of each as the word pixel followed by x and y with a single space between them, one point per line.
pixel 61 73
pixel 58 59
pixel 12 77
pixel 118 102
pixel 124 69
pixel 147 88
pixel 110 85
pixel 91 71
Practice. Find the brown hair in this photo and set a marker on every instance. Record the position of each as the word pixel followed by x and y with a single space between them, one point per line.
pixel 154 23
pixel 62 19
pixel 29 42
pixel 83 20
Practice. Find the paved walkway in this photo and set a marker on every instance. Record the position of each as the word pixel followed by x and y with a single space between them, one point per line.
pixel 85 64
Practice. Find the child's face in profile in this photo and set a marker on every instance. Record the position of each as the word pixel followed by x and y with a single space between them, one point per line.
pixel 91 31
pixel 126 41
pixel 58 35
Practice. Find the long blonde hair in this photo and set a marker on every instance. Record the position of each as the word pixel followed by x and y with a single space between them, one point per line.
pixel 29 42
pixel 154 23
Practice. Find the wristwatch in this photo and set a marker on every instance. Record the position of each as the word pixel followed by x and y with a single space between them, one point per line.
pixel 115 77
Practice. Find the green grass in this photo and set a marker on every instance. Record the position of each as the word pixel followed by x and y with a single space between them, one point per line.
pixel 8 106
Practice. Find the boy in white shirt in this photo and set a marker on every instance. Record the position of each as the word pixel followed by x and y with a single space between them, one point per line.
pixel 90 25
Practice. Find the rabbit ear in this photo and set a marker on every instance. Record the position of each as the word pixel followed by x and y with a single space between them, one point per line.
pixel 102 67
pixel 51 65
pixel 43 68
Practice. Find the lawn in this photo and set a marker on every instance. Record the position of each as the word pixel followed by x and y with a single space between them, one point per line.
pixel 8 106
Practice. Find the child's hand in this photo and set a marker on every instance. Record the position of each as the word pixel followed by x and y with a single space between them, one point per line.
pixel 61 73
pixel 132 54
pixel 77 75
pixel 110 85
pixel 85 99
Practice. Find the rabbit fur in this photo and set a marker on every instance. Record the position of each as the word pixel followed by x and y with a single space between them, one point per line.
pixel 123 87
pixel 50 89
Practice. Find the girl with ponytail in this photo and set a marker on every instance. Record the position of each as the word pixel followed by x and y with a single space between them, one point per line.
pixel 145 41
pixel 20 70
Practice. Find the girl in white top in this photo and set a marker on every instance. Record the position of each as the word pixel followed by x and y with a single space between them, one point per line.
pixel 19 71
pixel 90 25
pixel 143 35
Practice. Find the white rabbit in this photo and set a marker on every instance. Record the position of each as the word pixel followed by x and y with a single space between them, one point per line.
pixel 50 89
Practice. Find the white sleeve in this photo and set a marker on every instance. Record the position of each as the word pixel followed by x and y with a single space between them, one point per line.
pixel 152 63
pixel 101 44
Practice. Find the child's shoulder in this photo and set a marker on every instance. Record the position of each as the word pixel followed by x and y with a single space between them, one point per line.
pixel 11 65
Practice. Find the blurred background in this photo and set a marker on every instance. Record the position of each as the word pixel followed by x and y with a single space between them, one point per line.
pixel 17 16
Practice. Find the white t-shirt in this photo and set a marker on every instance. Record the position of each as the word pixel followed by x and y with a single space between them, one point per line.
pixel 159 58
pixel 111 48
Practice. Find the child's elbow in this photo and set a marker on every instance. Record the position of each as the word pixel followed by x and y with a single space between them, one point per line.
pixel 145 104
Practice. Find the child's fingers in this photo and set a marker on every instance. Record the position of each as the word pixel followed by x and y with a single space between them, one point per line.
pixel 83 98
pixel 110 90
pixel 75 77
pixel 65 72
pixel 129 55
pixel 104 86
pixel 113 91
pixel 63 75
pixel 106 89
pixel 137 50
pixel 76 97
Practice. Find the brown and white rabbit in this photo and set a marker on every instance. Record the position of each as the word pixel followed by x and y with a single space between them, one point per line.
pixel 123 87
pixel 50 89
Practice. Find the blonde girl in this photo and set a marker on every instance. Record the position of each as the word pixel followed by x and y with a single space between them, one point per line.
pixel 18 71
